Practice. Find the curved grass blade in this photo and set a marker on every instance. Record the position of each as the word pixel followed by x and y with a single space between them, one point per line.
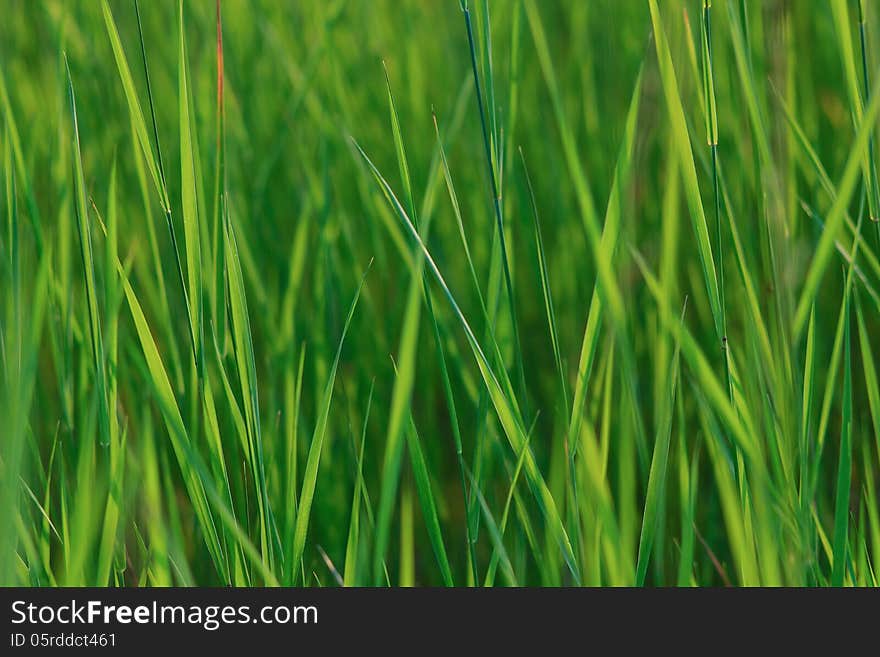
pixel 607 283
pixel 174 422
pixel 310 474
pixel 134 105
pixel 244 355
pixel 686 159
pixel 836 215
pixel 188 195
pixel 609 242
pixel 494 177
pixel 871 387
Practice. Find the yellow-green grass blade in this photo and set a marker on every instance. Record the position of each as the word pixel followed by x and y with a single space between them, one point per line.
pixel 840 15
pixel 871 502
pixel 870 372
pixel 244 355
pixel 739 424
pixel 397 416
pixel 293 397
pixel 399 149
pixel 839 349
pixel 547 293
pixel 420 471
pixel 808 395
pixel 505 514
pixel 683 148
pixel 711 113
pixel 13 141
pixel 427 501
pixel 407 566
pixel 161 288
pixel 349 577
pixel 873 184
pixel 607 286
pixel 495 534
pixel 655 494
pixel 136 119
pixel 491 149
pixel 836 214
pixel 465 242
pixel 742 548
pixel 173 420
pixel 688 485
pixel 405 371
pixel 313 461
pixel 21 349
pixel 112 299
pixel 188 192
pixel 134 106
pixel 812 166
pixel 841 545
pixel 88 264
pixel 217 284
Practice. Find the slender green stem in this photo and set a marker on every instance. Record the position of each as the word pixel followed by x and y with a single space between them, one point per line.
pixel 873 186
pixel 166 202
pixel 499 217
pixel 712 130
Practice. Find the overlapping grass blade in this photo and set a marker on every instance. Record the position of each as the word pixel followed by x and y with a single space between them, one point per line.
pixel 654 497
pixel 310 473
pixel 686 160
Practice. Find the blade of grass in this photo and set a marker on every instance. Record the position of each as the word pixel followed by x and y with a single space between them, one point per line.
pixel 349 577
pixel 840 546
pixel 688 169
pixel 835 217
pixel 313 461
pixel 88 263
pixel 655 495
pixel 507 411
pixel 496 198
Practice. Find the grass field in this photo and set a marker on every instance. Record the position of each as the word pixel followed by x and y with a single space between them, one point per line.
pixel 398 292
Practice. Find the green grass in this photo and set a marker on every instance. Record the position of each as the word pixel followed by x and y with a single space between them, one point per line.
pixel 449 293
